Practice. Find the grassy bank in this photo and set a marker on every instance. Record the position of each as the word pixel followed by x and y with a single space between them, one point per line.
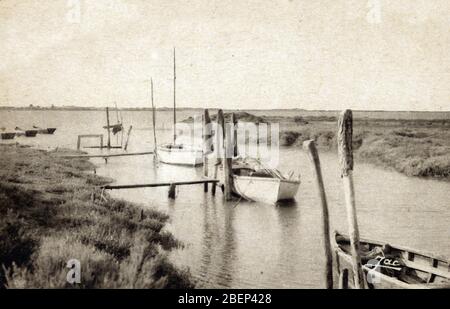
pixel 413 147
pixel 51 213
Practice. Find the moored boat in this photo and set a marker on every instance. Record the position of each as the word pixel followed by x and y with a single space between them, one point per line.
pixel 263 184
pixel 387 266
pixel 45 130
pixel 27 133
pixel 180 154
pixel 8 135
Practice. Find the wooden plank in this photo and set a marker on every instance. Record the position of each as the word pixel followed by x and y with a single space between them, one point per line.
pixel 90 135
pixel 434 263
pixel 428 269
pixel 100 147
pixel 108 155
pixel 160 184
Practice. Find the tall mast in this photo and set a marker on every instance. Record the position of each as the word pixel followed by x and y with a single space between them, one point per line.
pixel 174 99
pixel 154 121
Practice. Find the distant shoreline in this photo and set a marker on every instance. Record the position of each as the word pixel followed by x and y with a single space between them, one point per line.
pixel 91 108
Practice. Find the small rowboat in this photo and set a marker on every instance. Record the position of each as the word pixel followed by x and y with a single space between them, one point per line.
pixel 263 184
pixel 45 131
pixel 8 135
pixel 180 154
pixel 392 267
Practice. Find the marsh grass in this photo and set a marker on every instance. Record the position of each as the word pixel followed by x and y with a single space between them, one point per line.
pixel 413 147
pixel 52 212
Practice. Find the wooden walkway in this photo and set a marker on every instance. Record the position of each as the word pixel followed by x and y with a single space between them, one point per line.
pixel 108 155
pixel 160 184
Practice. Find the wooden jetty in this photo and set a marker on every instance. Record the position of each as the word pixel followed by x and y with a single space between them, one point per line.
pixel 108 155
pixel 172 185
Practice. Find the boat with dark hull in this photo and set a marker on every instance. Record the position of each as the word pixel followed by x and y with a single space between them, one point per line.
pixel 45 130
pixel 27 133
pixel 8 135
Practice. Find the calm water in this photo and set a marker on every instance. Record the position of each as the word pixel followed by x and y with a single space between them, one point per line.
pixel 252 245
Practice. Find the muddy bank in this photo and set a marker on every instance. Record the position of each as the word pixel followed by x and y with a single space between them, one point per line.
pixel 52 212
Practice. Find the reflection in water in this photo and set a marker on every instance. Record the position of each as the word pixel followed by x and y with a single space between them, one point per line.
pixel 254 245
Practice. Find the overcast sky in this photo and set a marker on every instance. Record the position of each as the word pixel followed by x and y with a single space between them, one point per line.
pixel 321 54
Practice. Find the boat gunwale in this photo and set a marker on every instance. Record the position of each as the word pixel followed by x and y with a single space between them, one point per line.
pixel 168 150
pixel 271 179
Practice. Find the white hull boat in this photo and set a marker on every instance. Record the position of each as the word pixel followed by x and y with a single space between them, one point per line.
pixel 265 189
pixel 255 182
pixel 180 155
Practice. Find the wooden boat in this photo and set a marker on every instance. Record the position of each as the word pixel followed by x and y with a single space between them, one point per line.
pixel 8 135
pixel 27 133
pixel 263 184
pixel 45 130
pixel 180 154
pixel 387 266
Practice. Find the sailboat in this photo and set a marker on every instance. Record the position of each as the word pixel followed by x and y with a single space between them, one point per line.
pixel 179 153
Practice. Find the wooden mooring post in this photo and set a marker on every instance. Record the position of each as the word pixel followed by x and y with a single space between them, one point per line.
pixel 128 138
pixel 206 145
pixel 310 147
pixel 220 132
pixel 234 122
pixel 227 163
pixel 345 150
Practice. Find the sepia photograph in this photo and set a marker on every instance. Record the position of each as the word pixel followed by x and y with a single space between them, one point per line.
pixel 224 145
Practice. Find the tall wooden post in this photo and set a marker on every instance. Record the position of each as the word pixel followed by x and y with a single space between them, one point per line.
pixel 257 141
pixel 206 144
pixel 128 138
pixel 107 128
pixel 235 144
pixel 220 134
pixel 345 137
pixel 227 163
pixel 310 147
